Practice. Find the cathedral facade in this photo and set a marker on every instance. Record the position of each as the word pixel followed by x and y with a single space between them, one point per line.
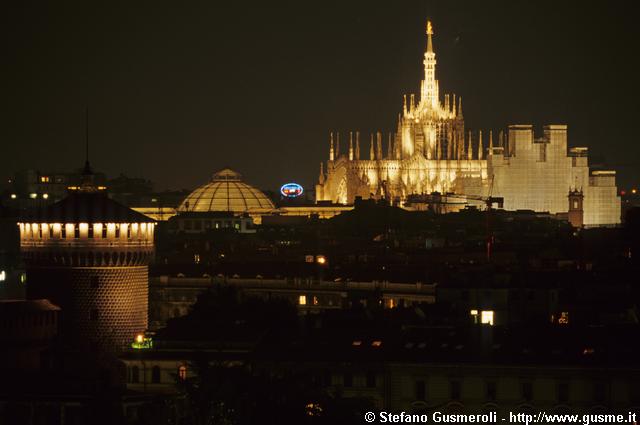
pixel 432 152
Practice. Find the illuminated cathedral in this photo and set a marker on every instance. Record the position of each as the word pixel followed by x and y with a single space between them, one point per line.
pixel 431 152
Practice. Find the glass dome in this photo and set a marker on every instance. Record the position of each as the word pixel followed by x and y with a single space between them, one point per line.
pixel 226 192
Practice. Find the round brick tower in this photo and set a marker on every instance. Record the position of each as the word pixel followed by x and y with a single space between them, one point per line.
pixel 89 255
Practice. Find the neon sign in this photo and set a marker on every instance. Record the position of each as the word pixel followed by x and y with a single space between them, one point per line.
pixel 291 190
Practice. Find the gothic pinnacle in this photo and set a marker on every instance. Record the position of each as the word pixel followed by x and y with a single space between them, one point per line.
pixel 351 146
pixel 331 151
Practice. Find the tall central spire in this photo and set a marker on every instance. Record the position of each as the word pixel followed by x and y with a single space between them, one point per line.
pixel 430 92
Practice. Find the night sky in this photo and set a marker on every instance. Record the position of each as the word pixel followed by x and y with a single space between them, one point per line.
pixel 177 90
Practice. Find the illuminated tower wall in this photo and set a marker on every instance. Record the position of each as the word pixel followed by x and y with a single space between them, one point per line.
pixel 90 255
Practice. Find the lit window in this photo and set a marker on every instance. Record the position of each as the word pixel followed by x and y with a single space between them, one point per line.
pixel 564 318
pixel 3 276
pixel 44 179
pixel 182 373
pixel 356 343
pixel 473 312
pixel 321 259
pixel 45 195
pixel 376 343
pixel 315 300
pixel 33 195
pixel 14 196
pixel 196 258
pixel 302 300
pixel 486 317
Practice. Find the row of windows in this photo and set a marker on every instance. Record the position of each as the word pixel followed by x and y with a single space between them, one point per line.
pixel 39 319
pixel 210 224
pixel 526 391
pixel 97 230
pixel 134 374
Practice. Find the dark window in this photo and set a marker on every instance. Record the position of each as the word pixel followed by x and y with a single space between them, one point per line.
pixel 563 392
pixel 421 390
pixel 95 281
pixel 188 224
pixel 348 379
pixel 76 231
pixel 90 231
pixel 599 392
pixel 527 391
pixel 63 231
pixel 456 390
pixel 155 375
pixel 634 392
pixel 327 379
pixel 117 231
pixel 197 224
pixel 371 379
pixel 135 374
pixel 129 231
pixel 104 231
pixel 492 391
pixel 94 314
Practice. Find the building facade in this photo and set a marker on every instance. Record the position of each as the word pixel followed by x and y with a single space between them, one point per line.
pixel 432 152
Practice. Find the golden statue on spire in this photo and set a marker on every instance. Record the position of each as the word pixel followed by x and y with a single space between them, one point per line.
pixel 429 28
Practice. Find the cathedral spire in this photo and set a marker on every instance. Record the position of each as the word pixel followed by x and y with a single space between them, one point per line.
pixel 460 106
pixel 453 105
pixel 321 176
pixel 378 145
pixel 469 150
pixel 429 95
pixel 357 145
pixel 490 142
pixel 351 146
pixel 390 148
pixel 480 148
